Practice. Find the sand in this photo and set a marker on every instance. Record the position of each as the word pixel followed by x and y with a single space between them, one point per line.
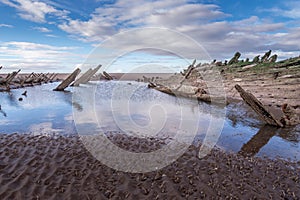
pixel 41 167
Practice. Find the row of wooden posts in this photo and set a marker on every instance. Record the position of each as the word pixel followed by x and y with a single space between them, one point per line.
pixel 84 78
pixel 15 80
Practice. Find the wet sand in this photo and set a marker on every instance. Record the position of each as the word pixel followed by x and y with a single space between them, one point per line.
pixel 40 167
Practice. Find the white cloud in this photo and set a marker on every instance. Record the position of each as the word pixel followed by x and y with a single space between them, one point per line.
pixel 38 57
pixel 6 25
pixel 289 9
pixel 122 15
pixel 206 23
pixel 35 11
pixel 218 32
pixel 42 29
pixel 51 35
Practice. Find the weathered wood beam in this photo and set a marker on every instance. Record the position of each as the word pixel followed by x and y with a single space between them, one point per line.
pixel 258 107
pixel 107 76
pixel 68 80
pixel 94 72
pixel 86 77
pixel 82 78
pixel 50 77
pixel 201 97
pixel 187 74
pixel 13 75
pixel 53 77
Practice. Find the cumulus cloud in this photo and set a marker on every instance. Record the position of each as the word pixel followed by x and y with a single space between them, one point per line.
pixel 37 57
pixel 206 23
pixel 219 33
pixel 35 11
pixel 123 15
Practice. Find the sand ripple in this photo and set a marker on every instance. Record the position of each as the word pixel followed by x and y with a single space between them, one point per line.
pixel 39 167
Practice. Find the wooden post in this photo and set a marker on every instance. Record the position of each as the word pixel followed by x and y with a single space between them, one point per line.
pixel 68 80
pixel 187 74
pixel 12 76
pixel 86 77
pixel 82 78
pixel 94 72
pixel 45 77
pixel 53 77
pixel 107 76
pixel 258 107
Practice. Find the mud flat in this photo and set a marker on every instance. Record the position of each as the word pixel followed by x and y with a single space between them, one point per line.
pixel 40 167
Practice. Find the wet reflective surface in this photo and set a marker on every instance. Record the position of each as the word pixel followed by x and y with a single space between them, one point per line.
pixel 141 111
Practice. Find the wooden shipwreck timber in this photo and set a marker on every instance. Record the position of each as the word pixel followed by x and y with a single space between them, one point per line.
pixel 190 84
pixel 72 81
pixel 16 80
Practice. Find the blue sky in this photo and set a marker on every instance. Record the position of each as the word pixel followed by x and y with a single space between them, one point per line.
pixel 51 35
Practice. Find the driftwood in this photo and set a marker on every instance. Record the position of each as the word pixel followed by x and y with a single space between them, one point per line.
pixel 107 76
pixel 68 80
pixel 258 107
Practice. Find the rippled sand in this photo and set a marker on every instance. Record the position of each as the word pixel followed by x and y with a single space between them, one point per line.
pixel 40 167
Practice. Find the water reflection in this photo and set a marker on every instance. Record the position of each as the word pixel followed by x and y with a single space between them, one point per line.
pixel 264 137
pixel 44 111
pixel 3 112
pixel 260 139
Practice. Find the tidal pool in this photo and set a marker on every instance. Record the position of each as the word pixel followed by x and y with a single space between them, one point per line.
pixel 132 108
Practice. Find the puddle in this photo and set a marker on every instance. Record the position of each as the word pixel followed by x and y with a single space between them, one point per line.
pixel 140 111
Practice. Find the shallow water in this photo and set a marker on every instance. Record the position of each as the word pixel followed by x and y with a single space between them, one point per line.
pixel 134 109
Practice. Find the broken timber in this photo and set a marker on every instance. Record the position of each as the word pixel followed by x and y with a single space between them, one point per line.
pixel 197 95
pixel 107 76
pixel 86 77
pixel 68 80
pixel 258 107
pixel 187 74
pixel 82 78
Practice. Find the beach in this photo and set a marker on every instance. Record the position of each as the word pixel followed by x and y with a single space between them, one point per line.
pixel 48 160
pixel 41 167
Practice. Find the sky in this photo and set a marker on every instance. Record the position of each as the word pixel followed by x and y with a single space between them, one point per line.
pixel 58 36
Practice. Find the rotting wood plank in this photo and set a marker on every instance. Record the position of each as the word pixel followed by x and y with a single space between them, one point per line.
pixel 258 107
